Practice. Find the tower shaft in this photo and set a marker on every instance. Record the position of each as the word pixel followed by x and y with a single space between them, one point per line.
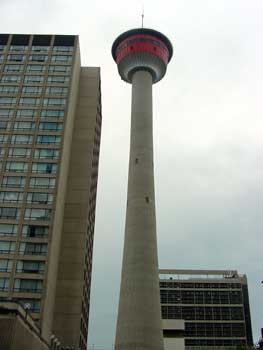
pixel 139 316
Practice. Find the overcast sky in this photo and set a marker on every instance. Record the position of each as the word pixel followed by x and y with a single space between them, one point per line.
pixel 208 129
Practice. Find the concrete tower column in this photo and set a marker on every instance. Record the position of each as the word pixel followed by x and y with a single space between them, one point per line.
pixel 139 317
pixel 142 56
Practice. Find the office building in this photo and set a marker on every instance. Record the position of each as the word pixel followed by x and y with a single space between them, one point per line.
pixel 50 120
pixel 142 56
pixel 213 304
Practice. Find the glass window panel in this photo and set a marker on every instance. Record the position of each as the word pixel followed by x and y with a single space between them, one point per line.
pixel 28 266
pixel 8 230
pixel 35 231
pixel 46 153
pixel 50 126
pixel 3 138
pixel 21 139
pixel 28 286
pixel 63 48
pixel 32 90
pixel 58 79
pixel 37 214
pixel 40 48
pixel 42 182
pixel 26 113
pixel 24 126
pixel 49 113
pixel 61 58
pixel 59 69
pixel 56 90
pixel 36 68
pixel 48 139
pixel 6 265
pixel 9 89
pixel 4 125
pixel 11 197
pixel 6 113
pixel 44 168
pixel 7 100
pixel 7 247
pixel 9 213
pixel 21 48
pixel 34 79
pixel 11 78
pixel 16 166
pixel 13 181
pixel 19 152
pixel 29 101
pixel 39 198
pixel 38 58
pixel 16 58
pixel 13 68
pixel 54 102
pixel 33 248
pixel 4 284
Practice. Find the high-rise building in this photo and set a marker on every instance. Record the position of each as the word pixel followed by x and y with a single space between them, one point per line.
pixel 142 56
pixel 213 304
pixel 50 121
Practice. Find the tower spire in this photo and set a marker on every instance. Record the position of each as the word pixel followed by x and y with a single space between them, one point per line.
pixel 142 15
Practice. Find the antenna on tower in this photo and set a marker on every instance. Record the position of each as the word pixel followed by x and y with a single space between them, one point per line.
pixel 142 15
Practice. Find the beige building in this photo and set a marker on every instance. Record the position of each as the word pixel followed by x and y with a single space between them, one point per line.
pixel 50 122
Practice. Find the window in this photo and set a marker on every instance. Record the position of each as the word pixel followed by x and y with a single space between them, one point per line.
pixel 38 58
pixel 4 284
pixel 60 102
pixel 6 113
pixel 21 139
pixel 2 58
pixel 21 167
pixel 56 91
pixel 8 89
pixel 18 48
pixel 28 286
pixel 49 113
pixel 4 125
pixel 61 58
pixel 13 181
pixel 46 153
pixel 9 213
pixel 13 68
pixel 26 113
pixel 33 90
pixel 3 138
pixel 60 79
pixel 42 182
pixel 2 152
pixel 63 48
pixel 19 152
pixel 37 214
pixel 36 68
pixel 34 79
pixel 11 79
pixel 11 197
pixel 40 48
pixel 59 69
pixel 27 266
pixel 24 126
pixel 8 230
pixel 29 101
pixel 44 168
pixel 7 247
pixel 33 248
pixel 34 231
pixel 16 58
pixel 34 304
pixel 50 126
pixel 6 265
pixel 7 100
pixel 39 198
pixel 48 139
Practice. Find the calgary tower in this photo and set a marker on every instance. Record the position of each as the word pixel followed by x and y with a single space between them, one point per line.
pixel 142 56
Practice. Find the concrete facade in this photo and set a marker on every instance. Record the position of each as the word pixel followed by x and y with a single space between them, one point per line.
pixel 50 117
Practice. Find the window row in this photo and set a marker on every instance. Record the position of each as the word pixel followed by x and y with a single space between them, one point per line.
pixel 47 126
pixel 28 139
pixel 23 167
pixel 31 113
pixel 32 101
pixel 32 231
pixel 25 248
pixel 35 79
pixel 32 197
pixel 36 58
pixel 22 266
pixel 34 182
pixel 40 68
pixel 38 153
pixel 33 90
pixel 30 214
pixel 22 285
pixel 38 48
